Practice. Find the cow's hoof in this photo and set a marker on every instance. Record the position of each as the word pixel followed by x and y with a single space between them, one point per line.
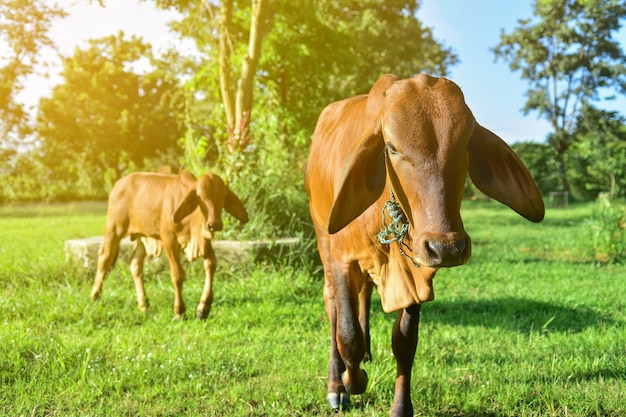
pixel 95 295
pixel 144 306
pixel 201 315
pixel 356 385
pixel 338 400
pixel 179 317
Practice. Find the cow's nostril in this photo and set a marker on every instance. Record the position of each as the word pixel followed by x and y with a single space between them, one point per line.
pixel 460 246
pixel 434 250
pixel 215 227
pixel 446 253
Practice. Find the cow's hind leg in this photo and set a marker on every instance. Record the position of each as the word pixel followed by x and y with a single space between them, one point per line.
pixel 404 343
pixel 106 258
pixel 345 375
pixel 136 269
pixel 210 264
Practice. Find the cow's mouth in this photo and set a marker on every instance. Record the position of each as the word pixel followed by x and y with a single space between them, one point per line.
pixel 207 234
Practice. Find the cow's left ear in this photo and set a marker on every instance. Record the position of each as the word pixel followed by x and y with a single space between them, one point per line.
pixel 187 206
pixel 362 181
pixel 498 172
pixel 234 206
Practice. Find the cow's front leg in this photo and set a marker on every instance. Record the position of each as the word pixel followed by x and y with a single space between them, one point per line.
pixel 404 343
pixel 106 258
pixel 210 264
pixel 136 269
pixel 343 295
pixel 365 301
pixel 337 395
pixel 172 249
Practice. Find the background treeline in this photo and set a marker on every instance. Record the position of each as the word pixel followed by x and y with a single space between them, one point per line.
pixel 120 108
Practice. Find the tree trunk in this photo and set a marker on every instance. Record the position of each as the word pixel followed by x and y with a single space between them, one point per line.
pixel 226 82
pixel 561 141
pixel 238 99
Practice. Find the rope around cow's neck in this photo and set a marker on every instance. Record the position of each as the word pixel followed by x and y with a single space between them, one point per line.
pixel 397 229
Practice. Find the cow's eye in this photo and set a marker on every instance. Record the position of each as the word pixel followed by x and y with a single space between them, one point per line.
pixel 391 149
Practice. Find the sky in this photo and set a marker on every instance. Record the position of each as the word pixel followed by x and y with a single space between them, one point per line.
pixel 470 28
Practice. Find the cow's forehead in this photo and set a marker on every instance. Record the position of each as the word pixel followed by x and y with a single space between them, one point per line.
pixel 426 108
pixel 211 185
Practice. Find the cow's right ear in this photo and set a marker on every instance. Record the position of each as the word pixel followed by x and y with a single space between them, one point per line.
pixel 498 172
pixel 362 181
pixel 187 206
pixel 234 206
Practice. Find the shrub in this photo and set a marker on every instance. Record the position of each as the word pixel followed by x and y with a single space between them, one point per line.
pixel 606 230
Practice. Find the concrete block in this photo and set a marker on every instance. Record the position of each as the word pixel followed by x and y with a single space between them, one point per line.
pixel 84 252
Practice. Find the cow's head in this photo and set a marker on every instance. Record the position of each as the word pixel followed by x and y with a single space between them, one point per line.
pixel 425 141
pixel 211 195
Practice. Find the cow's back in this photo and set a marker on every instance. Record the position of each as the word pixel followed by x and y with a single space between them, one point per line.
pixel 140 202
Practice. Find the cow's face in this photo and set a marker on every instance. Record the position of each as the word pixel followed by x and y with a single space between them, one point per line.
pixel 426 128
pixel 213 197
pixel 211 192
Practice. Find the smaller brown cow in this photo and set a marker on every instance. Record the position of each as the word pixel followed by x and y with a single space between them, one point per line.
pixel 179 212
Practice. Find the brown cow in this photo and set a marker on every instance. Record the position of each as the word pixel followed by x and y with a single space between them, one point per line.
pixel 178 210
pixel 414 140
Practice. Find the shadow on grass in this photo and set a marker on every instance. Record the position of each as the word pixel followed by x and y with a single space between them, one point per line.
pixel 603 374
pixel 514 314
pixel 470 413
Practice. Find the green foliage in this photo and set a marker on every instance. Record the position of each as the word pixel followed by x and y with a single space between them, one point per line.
pixel 23 34
pixel 606 230
pixel 120 117
pixel 540 160
pixel 530 327
pixel 308 60
pixel 597 159
pixel 568 54
pixel 319 52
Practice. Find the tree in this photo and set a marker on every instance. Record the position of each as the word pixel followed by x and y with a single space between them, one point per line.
pixel 23 33
pixel 568 55
pixel 314 52
pixel 107 117
pixel 598 155
pixel 540 160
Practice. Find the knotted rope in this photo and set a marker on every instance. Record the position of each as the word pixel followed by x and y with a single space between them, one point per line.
pixel 397 229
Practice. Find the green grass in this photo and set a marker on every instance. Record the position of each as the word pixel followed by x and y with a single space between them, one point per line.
pixel 532 326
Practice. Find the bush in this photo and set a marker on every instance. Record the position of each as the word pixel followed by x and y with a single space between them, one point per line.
pixel 606 230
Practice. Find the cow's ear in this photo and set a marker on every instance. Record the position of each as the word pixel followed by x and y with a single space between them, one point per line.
pixel 361 183
pixel 498 172
pixel 376 96
pixel 234 206
pixel 187 206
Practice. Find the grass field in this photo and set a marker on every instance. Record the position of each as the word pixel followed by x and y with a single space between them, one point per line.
pixel 530 327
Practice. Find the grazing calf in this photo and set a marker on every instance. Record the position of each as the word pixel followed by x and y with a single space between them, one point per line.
pixel 401 153
pixel 171 213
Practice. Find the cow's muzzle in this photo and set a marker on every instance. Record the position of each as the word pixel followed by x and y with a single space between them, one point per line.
pixel 209 229
pixel 441 252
